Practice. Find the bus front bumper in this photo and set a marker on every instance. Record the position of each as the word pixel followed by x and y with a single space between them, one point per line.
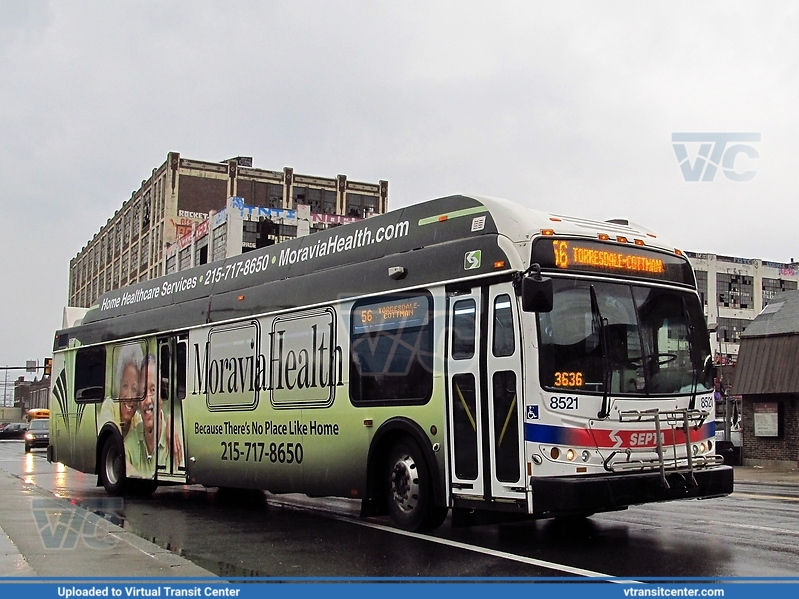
pixel 581 495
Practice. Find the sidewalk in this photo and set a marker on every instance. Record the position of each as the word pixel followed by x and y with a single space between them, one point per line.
pixel 757 474
pixel 42 535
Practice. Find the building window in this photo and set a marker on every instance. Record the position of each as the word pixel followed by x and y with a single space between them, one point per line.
pixel 184 258
pixel 219 236
pixel 701 285
pixel 735 291
pixel 249 236
pixel 360 205
pixel 321 201
pixel 136 223
pixel 171 261
pixel 287 232
pixel 143 251
pixel 730 329
pixel 146 208
pixel 274 195
pixel 201 253
pixel 772 287
pixel 126 230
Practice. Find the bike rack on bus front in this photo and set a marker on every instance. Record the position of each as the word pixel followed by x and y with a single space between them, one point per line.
pixel 674 419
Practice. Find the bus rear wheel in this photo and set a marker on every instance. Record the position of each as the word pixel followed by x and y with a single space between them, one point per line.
pixel 112 466
pixel 409 491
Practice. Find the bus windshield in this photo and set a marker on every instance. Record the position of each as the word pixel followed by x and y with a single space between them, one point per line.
pixel 640 340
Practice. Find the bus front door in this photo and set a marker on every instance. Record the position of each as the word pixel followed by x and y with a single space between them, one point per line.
pixel 171 456
pixel 484 395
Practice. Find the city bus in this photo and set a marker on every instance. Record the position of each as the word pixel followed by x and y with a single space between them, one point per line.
pixel 463 355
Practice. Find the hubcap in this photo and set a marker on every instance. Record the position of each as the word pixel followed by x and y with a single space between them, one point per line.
pixel 112 465
pixel 405 483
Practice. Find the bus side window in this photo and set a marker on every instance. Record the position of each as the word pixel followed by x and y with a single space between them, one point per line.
pixel 391 351
pixel 504 343
pixel 90 374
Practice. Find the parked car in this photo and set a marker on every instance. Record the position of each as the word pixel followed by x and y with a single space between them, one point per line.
pixel 38 434
pixel 15 430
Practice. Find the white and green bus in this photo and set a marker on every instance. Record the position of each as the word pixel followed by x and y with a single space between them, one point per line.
pixel 462 354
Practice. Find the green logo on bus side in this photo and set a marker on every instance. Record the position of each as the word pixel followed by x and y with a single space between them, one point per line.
pixel 472 260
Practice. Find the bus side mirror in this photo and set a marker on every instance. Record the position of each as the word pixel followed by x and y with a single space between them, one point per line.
pixel 537 294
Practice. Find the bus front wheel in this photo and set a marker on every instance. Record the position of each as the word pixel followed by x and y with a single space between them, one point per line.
pixel 112 466
pixel 409 489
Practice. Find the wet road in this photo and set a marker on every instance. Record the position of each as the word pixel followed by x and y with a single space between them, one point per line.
pixel 754 532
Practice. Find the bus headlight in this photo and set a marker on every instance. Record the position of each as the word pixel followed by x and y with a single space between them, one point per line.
pixel 586 455
pixel 571 454
pixel 554 453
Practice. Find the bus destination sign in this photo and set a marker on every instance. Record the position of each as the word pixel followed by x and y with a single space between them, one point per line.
pixel 585 255
pixel 382 316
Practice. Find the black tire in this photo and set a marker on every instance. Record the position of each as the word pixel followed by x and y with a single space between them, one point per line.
pixel 409 489
pixel 139 487
pixel 112 466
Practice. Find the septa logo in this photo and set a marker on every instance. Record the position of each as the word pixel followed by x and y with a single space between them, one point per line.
pixel 472 260
pixel 715 150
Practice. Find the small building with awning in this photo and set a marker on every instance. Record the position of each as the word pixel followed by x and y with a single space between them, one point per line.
pixel 767 378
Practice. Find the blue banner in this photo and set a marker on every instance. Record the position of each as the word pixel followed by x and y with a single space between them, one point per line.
pixel 313 588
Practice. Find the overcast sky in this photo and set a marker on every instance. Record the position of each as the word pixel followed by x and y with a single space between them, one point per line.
pixel 564 107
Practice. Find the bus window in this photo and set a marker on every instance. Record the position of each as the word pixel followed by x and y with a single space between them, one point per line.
pixel 391 359
pixel 165 365
pixel 463 334
pixel 180 374
pixel 504 344
pixel 464 415
pixel 90 374
pixel 506 426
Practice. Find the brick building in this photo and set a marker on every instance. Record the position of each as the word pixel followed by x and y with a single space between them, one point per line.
pixel 32 394
pixel 182 193
pixel 767 378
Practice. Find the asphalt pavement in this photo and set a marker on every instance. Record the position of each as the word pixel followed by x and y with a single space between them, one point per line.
pixel 43 535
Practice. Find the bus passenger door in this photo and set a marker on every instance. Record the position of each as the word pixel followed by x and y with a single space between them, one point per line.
pixel 504 403
pixel 463 394
pixel 172 357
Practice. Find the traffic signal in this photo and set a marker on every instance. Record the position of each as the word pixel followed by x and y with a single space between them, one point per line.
pixel 48 366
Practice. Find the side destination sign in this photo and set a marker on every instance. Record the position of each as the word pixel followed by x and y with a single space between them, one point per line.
pixel 414 227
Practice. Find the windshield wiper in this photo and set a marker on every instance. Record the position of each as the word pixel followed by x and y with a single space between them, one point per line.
pixel 600 324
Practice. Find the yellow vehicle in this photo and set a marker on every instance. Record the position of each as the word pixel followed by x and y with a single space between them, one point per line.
pixel 37 413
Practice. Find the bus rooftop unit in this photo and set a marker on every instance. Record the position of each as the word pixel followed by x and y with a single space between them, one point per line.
pixel 464 353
